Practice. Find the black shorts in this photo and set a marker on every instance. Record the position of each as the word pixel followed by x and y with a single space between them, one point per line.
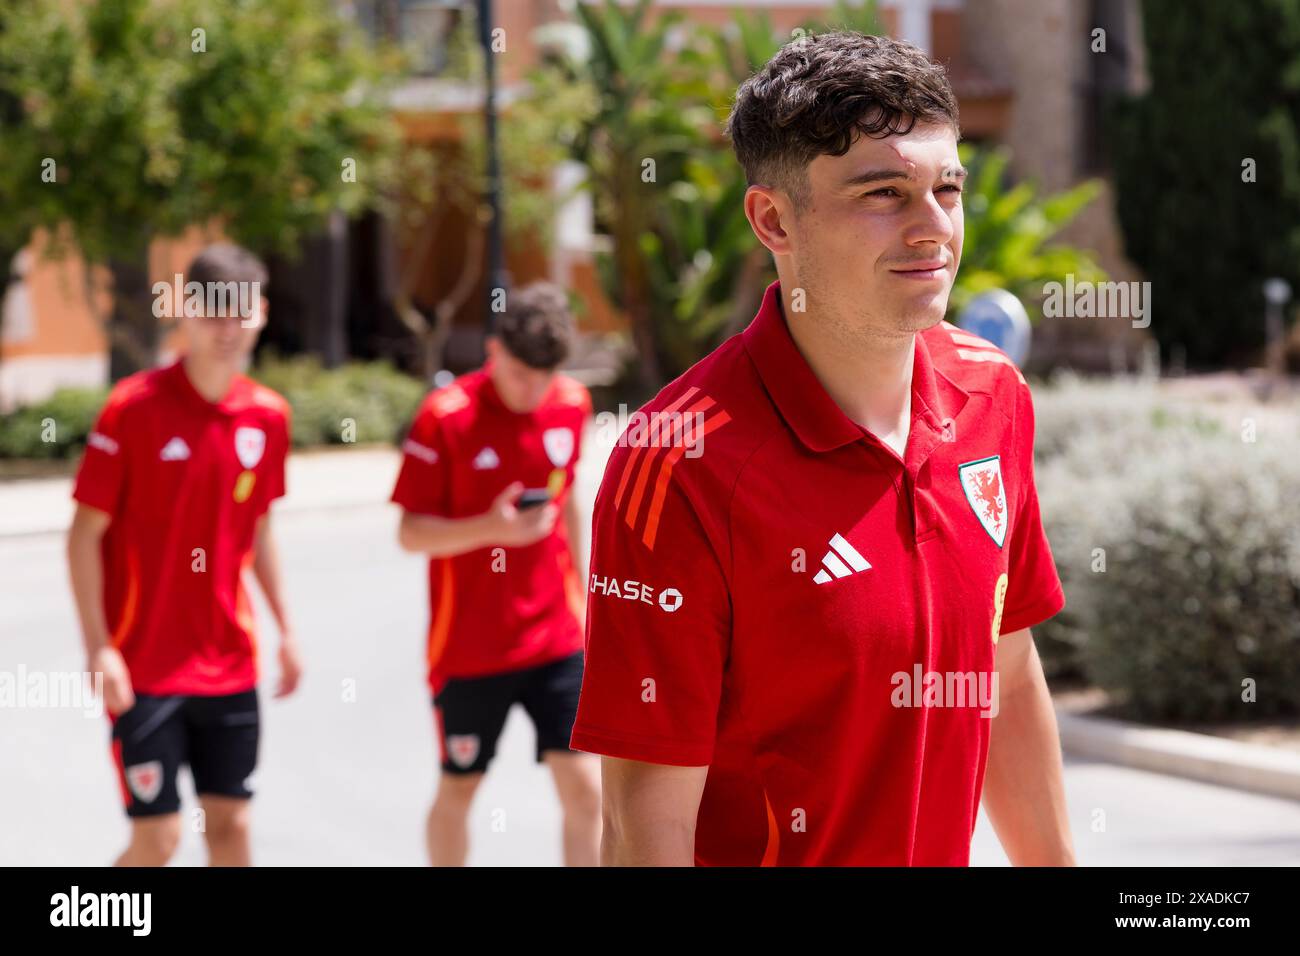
pixel 471 711
pixel 216 736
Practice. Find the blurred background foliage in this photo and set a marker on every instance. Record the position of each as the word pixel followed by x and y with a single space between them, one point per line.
pixel 1009 231
pixel 160 115
pixel 1204 234
pixel 682 263
pixel 1196 585
pixel 378 400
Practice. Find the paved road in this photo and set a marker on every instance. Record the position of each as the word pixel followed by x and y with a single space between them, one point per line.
pixel 348 782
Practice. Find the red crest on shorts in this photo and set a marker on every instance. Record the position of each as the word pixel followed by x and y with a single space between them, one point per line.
pixel 463 749
pixel 145 780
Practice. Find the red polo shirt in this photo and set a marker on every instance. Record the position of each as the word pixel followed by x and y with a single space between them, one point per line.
pixel 185 481
pixel 495 609
pixel 776 594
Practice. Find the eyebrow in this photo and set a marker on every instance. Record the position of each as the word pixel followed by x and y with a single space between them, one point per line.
pixel 947 174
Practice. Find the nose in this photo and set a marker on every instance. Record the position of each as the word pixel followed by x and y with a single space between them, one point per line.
pixel 931 223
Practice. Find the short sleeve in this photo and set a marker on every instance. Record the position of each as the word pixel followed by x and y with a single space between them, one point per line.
pixel 101 477
pixel 1034 591
pixel 575 395
pixel 658 628
pixel 422 486
pixel 585 407
pixel 277 477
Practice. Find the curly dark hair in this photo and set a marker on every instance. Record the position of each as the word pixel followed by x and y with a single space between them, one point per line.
pixel 537 326
pixel 820 93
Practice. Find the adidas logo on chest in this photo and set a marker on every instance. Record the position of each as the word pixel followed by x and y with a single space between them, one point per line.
pixel 840 561
pixel 175 450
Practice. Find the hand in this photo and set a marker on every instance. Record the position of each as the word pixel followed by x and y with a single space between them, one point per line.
pixel 118 695
pixel 290 666
pixel 508 525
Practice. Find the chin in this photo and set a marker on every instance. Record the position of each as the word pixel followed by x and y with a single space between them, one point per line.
pixel 922 317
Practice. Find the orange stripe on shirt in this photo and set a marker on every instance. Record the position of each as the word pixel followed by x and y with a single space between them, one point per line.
pixel 441 626
pixel 132 606
pixel 646 466
pixel 773 835
pixel 636 449
pixel 665 474
pixel 121 771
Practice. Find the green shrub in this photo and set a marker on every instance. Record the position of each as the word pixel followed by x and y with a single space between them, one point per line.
pixel 1200 535
pixel 1202 589
pixel 1133 408
pixel 1189 132
pixel 1087 435
pixel 374 395
pixel 379 399
pixel 67 417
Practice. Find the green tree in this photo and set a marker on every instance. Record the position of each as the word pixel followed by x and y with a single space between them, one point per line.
pixel 534 137
pixel 141 118
pixel 647 123
pixel 684 265
pixel 1008 231
pixel 1207 169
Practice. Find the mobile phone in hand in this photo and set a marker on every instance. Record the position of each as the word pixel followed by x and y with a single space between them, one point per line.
pixel 532 498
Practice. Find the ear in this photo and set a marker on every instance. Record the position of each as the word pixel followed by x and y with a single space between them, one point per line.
pixel 768 211
pixel 262 307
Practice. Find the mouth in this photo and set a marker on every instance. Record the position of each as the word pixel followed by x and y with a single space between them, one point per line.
pixel 928 271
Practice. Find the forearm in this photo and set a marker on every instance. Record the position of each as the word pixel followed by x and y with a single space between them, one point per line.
pixel 647 843
pixel 444 537
pixel 649 813
pixel 86 574
pixel 1024 789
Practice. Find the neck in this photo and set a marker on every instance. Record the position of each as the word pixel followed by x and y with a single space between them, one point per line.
pixel 212 380
pixel 501 392
pixel 868 376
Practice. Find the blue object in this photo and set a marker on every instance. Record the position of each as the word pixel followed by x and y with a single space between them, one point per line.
pixel 999 316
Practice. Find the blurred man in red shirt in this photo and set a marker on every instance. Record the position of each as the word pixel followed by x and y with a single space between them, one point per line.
pixel 173 499
pixel 488 469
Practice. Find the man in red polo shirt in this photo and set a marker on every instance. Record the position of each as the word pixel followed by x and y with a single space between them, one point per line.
pixel 817 555
pixel 488 468
pixel 172 507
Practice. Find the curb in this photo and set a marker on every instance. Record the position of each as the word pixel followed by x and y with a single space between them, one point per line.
pixel 1180 753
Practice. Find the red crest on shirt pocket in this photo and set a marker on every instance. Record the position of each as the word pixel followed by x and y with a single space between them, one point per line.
pixel 558 443
pixel 981 480
pixel 250 445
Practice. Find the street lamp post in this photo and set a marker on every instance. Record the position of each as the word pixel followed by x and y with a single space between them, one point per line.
pixel 1277 293
pixel 495 258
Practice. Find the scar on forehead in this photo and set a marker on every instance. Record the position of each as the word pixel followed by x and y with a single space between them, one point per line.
pixel 949 173
pixel 907 163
